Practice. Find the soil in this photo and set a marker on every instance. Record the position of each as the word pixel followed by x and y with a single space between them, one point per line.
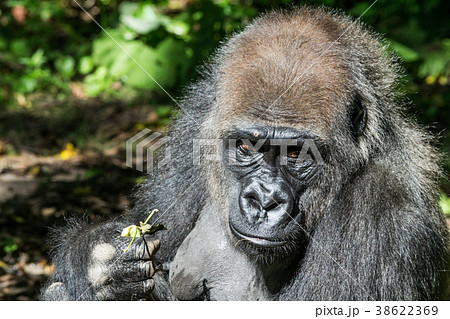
pixel 43 181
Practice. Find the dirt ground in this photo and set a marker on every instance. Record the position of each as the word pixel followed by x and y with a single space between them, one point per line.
pixel 43 179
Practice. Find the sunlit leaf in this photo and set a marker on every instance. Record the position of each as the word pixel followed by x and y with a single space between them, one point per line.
pixel 131 231
pixel 93 89
pixel 444 202
pixel 86 65
pixel 177 27
pixel 38 58
pixel 65 66
pixel 26 84
pixel 143 228
pixel 141 18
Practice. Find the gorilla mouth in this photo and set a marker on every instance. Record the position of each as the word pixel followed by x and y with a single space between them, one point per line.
pixel 257 241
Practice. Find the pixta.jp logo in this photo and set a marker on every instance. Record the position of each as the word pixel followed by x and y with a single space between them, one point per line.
pixel 141 150
pixel 145 142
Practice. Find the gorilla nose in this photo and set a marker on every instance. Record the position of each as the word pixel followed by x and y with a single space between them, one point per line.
pixel 268 203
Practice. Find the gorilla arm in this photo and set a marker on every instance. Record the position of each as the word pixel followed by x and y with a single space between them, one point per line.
pixel 91 264
pixel 176 190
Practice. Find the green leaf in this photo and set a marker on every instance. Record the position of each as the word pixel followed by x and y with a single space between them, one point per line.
pixel 171 60
pixel 101 73
pixel 434 65
pixel 104 49
pixel 437 61
pixel 141 18
pixel 122 64
pixel 9 246
pixel 177 27
pixel 20 47
pixel 131 231
pixel 444 202
pixel 26 84
pixel 163 110
pixel 164 63
pixel 406 53
pixel 85 65
pixel 93 89
pixel 65 66
pixel 153 66
pixel 38 58
pixel 96 83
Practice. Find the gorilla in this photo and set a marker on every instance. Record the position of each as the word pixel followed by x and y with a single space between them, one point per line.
pixel 319 187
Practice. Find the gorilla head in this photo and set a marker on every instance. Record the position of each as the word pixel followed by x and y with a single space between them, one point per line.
pixel 298 77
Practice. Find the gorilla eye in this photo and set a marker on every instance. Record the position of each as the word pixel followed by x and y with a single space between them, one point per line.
pixel 293 154
pixel 247 148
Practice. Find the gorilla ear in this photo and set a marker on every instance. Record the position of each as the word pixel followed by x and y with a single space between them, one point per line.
pixel 358 117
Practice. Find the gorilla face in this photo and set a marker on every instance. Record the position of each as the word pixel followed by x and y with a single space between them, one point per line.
pixel 300 93
pixel 270 169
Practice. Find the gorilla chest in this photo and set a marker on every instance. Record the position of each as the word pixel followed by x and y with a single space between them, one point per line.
pixel 208 266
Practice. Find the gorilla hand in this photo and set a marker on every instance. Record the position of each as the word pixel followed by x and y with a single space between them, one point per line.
pixel 123 276
pixel 103 271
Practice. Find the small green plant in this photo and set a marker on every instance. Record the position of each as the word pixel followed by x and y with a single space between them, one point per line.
pixel 143 228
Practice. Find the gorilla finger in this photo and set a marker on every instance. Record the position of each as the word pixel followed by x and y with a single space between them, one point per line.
pixel 145 249
pixel 134 271
pixel 152 246
pixel 56 291
pixel 127 290
pixel 144 269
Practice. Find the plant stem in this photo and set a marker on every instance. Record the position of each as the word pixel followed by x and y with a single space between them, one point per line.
pixel 150 216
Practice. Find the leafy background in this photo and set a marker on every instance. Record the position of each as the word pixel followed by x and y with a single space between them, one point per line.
pixel 70 97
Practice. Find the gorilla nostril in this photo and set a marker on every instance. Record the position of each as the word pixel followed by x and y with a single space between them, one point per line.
pixel 250 196
pixel 271 206
pixel 254 202
pixel 251 200
pixel 265 203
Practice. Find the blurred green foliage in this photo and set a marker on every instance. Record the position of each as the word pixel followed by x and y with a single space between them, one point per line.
pixel 444 202
pixel 46 46
pixel 9 245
